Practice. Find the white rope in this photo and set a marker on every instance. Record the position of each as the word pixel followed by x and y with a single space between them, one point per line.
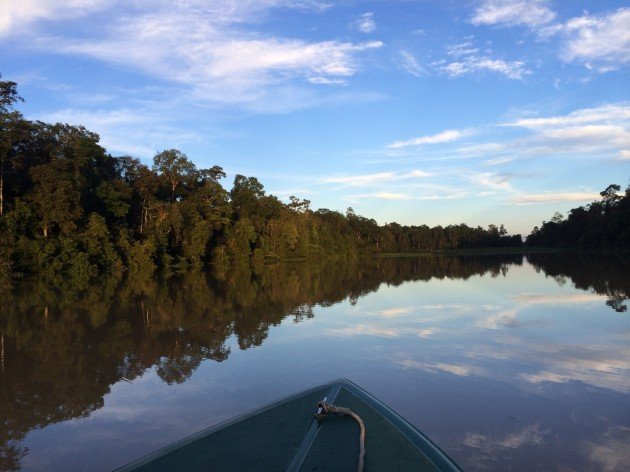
pixel 325 409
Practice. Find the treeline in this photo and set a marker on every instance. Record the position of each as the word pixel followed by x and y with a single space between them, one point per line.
pixel 603 224
pixel 69 208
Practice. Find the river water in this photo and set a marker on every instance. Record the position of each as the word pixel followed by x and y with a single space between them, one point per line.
pixel 506 362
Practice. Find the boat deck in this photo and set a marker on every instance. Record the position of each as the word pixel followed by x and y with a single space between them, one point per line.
pixel 285 436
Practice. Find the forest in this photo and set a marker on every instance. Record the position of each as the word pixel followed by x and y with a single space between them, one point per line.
pixel 600 225
pixel 71 210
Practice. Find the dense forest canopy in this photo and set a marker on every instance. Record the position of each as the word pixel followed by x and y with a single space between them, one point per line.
pixel 600 225
pixel 69 208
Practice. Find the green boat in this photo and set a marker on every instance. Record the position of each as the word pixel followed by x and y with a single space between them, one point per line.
pixel 300 433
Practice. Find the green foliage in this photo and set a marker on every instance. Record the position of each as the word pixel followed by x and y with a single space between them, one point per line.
pixel 99 247
pixel 142 257
pixel 174 167
pixel 55 196
pixel 195 245
pixel 603 224
pixel 72 210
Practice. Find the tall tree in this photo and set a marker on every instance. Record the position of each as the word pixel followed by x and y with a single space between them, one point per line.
pixel 174 166
pixel 55 196
pixel 245 195
pixel 8 116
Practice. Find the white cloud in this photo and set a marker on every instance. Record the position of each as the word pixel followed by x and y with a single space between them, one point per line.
pixel 420 173
pixel 499 161
pixel 491 180
pixel 15 15
pixel 462 49
pixel 513 12
pixel 219 67
pixel 515 70
pixel 360 180
pixel 326 81
pixel 606 113
pixel 392 196
pixel 370 179
pixel 624 155
pixel 612 134
pixel 603 131
pixel 555 197
pixel 121 129
pixel 366 23
pixel 482 148
pixel 203 46
pixel 601 39
pixel 410 64
pixel 447 136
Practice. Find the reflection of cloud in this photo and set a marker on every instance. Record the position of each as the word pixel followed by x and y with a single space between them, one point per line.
pixel 363 329
pixel 397 311
pixel 612 453
pixel 544 299
pixel 456 369
pixel 592 364
pixel 475 440
pixel 504 318
pixel 384 332
pixel 530 435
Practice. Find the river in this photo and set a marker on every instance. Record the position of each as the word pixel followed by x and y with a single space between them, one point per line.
pixel 506 362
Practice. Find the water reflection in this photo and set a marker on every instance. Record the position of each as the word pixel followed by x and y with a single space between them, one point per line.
pixel 64 348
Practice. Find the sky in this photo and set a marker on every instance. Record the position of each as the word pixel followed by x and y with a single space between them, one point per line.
pixel 414 111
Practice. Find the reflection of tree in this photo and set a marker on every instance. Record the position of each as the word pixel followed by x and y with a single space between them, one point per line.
pixel 63 348
pixel 605 275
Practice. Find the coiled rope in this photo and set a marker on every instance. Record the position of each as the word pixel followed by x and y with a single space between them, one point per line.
pixel 325 409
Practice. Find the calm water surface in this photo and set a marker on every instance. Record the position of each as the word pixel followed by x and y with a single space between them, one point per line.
pixel 508 363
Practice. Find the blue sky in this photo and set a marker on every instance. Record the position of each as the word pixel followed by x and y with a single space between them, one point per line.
pixel 420 112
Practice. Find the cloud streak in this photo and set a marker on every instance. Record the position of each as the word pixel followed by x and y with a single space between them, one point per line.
pixel 370 179
pixel 515 70
pixel 15 15
pixel 554 197
pixel 202 46
pixel 513 12
pixel 447 136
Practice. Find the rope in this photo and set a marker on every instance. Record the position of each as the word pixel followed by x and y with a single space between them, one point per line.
pixel 325 409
